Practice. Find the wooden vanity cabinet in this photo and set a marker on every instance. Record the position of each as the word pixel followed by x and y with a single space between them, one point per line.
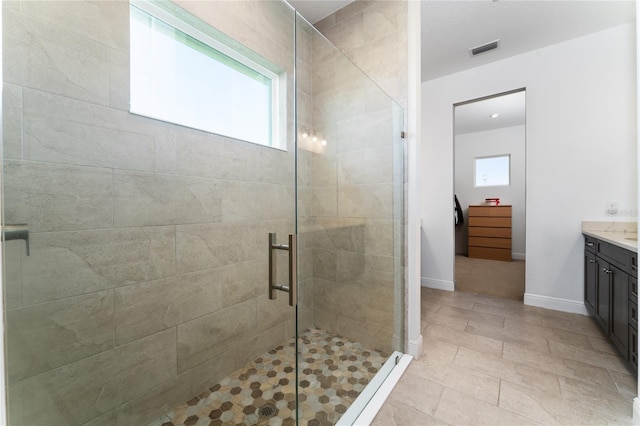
pixel 619 329
pixel 633 315
pixel 603 296
pixel 590 276
pixel 610 294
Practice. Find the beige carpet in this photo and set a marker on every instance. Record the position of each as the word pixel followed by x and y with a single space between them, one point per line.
pixel 493 277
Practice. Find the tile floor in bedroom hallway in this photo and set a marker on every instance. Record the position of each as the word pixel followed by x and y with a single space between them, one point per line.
pixel 492 361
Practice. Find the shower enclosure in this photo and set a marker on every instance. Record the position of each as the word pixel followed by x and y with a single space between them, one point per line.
pixel 149 265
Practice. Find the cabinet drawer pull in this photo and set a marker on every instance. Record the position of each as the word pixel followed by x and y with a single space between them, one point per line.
pixel 606 271
pixel 592 261
pixel 589 244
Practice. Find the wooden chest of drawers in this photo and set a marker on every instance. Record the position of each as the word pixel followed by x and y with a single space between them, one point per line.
pixel 490 232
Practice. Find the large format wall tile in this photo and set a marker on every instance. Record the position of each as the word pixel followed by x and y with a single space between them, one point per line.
pixel 367 201
pixel 340 234
pixel 240 20
pixel 119 86
pixel 212 245
pixel 257 201
pixel 271 312
pixel 274 166
pixel 162 399
pixel 364 270
pixel 210 155
pixel 100 21
pixel 365 166
pixel 245 280
pixel 363 130
pixel 62 130
pixel 324 201
pixel 379 237
pixel 64 264
pixel 12 269
pixel 51 197
pixel 208 336
pixel 146 308
pixel 12 121
pixel 15 404
pixel 78 392
pixel 46 336
pixel 324 264
pixel 47 57
pixel 142 199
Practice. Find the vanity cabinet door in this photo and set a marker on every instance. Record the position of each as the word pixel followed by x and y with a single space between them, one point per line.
pixel 603 288
pixel 619 308
pixel 590 279
pixel 633 347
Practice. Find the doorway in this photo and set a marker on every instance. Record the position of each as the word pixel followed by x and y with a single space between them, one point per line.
pixel 489 194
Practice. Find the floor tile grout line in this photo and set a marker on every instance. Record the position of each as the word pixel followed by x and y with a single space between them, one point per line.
pixel 573 353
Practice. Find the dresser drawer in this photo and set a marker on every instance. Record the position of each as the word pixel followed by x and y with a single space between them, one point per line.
pixel 490 253
pixel 491 211
pixel 490 222
pixel 614 254
pixel 590 244
pixel 489 232
pixel 490 242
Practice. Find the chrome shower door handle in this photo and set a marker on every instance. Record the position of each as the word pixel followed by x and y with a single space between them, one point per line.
pixel 293 270
pixel 293 276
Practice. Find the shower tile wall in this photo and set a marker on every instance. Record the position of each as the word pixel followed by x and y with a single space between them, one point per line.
pixel 374 36
pixel 148 240
pixel 351 198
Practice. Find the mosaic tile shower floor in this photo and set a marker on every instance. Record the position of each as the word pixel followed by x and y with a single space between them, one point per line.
pixel 333 372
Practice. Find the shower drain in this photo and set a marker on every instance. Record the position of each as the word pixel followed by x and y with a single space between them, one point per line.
pixel 268 410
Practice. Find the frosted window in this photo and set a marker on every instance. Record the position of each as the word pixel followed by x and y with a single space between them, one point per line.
pixel 181 79
pixel 492 171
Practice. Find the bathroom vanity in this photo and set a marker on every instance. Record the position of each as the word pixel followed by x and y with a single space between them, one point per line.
pixel 611 283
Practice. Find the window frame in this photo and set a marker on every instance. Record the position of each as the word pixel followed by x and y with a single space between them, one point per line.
pixel 187 24
pixel 487 157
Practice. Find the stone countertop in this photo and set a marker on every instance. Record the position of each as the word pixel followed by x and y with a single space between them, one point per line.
pixel 622 234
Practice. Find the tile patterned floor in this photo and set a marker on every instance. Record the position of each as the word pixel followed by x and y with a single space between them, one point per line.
pixel 334 370
pixel 492 361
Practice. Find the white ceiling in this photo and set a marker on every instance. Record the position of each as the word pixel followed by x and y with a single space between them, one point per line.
pixel 451 27
pixel 475 116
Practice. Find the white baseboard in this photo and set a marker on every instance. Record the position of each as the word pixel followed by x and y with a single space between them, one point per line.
pixel 636 412
pixel 518 256
pixel 437 284
pixel 555 303
pixel 415 347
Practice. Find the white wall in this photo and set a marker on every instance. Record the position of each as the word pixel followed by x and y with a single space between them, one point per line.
pixel 581 151
pixel 468 147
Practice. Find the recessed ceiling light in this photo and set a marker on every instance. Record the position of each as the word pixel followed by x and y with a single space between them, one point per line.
pixel 494 115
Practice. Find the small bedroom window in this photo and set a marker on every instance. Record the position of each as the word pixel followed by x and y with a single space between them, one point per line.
pixel 185 75
pixel 493 171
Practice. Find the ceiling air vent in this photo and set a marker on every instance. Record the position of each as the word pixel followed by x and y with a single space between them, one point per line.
pixel 484 48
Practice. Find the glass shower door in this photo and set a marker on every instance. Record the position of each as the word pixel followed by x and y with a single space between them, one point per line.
pixel 136 262
pixel 350 172
pixel 142 280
